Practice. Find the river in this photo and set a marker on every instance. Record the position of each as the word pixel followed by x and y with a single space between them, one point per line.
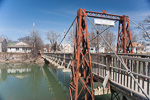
pixel 35 82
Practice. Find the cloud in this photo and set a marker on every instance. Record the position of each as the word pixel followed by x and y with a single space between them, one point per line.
pixel 56 13
pixel 68 11
pixel 14 30
pixel 14 33
pixel 53 23
pixel 134 15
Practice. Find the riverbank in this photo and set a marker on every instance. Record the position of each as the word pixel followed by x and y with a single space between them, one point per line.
pixel 19 58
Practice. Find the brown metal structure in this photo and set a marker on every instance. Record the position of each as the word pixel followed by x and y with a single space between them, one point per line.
pixel 42 50
pixel 81 64
pixel 124 41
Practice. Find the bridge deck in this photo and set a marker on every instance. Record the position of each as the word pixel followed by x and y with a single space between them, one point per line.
pixel 139 66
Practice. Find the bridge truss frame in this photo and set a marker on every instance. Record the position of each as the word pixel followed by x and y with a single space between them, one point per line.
pixel 124 41
pixel 80 64
pixel 81 56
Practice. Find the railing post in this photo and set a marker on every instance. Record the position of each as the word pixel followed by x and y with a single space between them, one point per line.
pixel 59 58
pixel 108 65
pixel 56 56
pixel 148 69
pixel 109 69
pixel 64 60
pixel 108 75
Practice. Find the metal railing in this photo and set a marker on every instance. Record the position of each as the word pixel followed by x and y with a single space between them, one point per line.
pixel 139 65
pixel 140 68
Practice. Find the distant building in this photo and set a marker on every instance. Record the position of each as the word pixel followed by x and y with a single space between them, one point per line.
pixel 92 49
pixel 95 50
pixel 19 47
pixel 44 50
pixel 67 48
pixel 148 47
pixel 3 45
pixel 138 48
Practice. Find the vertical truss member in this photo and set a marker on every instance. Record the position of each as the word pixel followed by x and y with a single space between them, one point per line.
pixel 81 64
pixel 124 42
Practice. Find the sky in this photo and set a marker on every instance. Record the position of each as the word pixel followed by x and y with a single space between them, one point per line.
pixel 17 16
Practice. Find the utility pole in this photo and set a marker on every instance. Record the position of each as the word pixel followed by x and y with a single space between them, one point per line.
pixel 64 47
pixel 98 57
pixel 34 35
pixel 34 39
pixel 64 42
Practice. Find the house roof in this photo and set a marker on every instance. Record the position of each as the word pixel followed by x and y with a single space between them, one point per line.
pixel 134 44
pixel 137 45
pixel 1 40
pixel 19 44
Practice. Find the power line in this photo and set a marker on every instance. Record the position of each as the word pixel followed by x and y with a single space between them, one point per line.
pixel 139 26
pixel 101 32
pixel 67 32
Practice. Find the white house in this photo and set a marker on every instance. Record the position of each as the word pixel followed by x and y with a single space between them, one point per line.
pixel 92 49
pixel 138 48
pixel 95 50
pixel 19 47
pixel 148 47
pixel 67 48
pixel 3 45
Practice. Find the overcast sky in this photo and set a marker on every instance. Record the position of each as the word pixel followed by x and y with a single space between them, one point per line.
pixel 17 16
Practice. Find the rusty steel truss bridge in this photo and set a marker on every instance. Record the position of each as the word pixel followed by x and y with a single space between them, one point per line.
pixel 119 72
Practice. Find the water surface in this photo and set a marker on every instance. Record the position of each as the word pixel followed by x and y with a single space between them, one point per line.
pixel 31 82
pixel 35 82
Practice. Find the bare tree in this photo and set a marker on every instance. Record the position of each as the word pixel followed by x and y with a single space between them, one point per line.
pixel 53 37
pixel 71 37
pixel 46 45
pixel 38 42
pixel 7 39
pixel 26 39
pixel 111 39
pixel 134 36
pixel 92 39
pixel 146 25
pixel 35 41
pixel 108 35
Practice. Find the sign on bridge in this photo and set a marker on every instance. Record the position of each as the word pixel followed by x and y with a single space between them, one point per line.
pixel 104 22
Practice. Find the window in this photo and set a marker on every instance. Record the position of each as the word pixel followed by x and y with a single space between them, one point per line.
pixel 148 45
pixel 17 49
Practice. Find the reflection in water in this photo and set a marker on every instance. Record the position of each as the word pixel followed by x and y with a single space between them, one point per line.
pixel 19 71
pixel 29 82
pixel 35 77
pixel 20 81
pixel 34 82
pixel 56 88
